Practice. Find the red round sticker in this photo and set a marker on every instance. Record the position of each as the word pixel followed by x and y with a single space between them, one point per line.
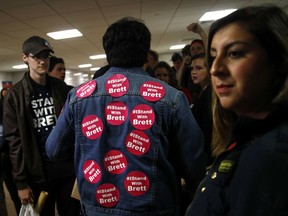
pixel 92 127
pixel 142 117
pixel 107 195
pixel 115 162
pixel 152 91
pixel 136 183
pixel 137 142
pixel 86 89
pixel 92 171
pixel 116 112
pixel 117 85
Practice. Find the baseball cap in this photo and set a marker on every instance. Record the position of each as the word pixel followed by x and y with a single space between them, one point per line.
pixel 36 44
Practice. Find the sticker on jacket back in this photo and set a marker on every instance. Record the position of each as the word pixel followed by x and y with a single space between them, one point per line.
pixel 86 89
pixel 152 91
pixel 92 127
pixel 137 142
pixel 115 162
pixel 107 195
pixel 92 171
pixel 117 85
pixel 142 117
pixel 116 113
pixel 136 183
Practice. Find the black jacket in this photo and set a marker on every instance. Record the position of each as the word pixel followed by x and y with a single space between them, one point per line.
pixel 250 178
pixel 19 132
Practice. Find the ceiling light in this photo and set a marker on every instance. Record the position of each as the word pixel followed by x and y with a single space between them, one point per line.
pixel 22 66
pixel 94 69
pixel 85 65
pixel 77 74
pixel 101 56
pixel 65 34
pixel 214 15
pixel 177 47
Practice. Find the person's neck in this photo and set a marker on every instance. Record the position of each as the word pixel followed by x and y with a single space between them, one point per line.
pixel 40 79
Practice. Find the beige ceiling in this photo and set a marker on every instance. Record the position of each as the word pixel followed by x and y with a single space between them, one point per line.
pixel 166 19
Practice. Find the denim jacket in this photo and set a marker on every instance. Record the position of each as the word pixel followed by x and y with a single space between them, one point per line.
pixel 135 137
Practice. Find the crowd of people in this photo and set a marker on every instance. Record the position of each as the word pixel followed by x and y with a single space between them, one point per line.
pixel 206 136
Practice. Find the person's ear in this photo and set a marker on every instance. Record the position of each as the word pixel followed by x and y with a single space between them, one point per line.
pixel 25 58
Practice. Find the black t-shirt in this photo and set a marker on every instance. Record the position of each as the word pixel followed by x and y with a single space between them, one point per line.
pixel 43 115
pixel 44 119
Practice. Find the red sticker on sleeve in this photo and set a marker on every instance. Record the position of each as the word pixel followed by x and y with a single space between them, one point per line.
pixel 115 162
pixel 86 89
pixel 116 113
pixel 137 142
pixel 152 91
pixel 107 195
pixel 117 85
pixel 92 127
pixel 136 183
pixel 142 117
pixel 92 171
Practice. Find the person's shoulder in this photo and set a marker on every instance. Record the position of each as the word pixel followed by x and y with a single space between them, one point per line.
pixel 269 147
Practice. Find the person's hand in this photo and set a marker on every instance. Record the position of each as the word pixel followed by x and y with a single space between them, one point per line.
pixel 26 195
pixel 187 59
pixel 194 27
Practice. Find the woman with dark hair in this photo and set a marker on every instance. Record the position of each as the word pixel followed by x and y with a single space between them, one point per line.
pixel 249 75
pixel 165 73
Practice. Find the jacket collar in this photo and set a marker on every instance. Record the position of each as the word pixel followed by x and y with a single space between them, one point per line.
pixel 247 129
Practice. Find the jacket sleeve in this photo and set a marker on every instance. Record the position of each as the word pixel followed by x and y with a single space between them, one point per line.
pixel 190 144
pixel 61 139
pixel 13 140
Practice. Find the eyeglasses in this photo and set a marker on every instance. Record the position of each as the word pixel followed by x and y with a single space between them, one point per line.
pixel 40 56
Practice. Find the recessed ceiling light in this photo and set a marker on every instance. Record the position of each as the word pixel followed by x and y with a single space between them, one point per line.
pixel 71 33
pixel 177 47
pixel 77 74
pixel 85 65
pixel 22 66
pixel 214 15
pixel 100 56
pixel 94 68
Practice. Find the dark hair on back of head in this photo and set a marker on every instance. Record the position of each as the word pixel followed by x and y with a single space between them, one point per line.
pixel 154 54
pixel 127 42
pixel 53 61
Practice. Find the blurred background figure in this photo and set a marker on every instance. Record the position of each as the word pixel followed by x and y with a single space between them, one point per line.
pixel 197 45
pixel 177 61
pixel 6 166
pixel 57 68
pixel 3 207
pixel 201 108
pixel 164 72
pixel 152 60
